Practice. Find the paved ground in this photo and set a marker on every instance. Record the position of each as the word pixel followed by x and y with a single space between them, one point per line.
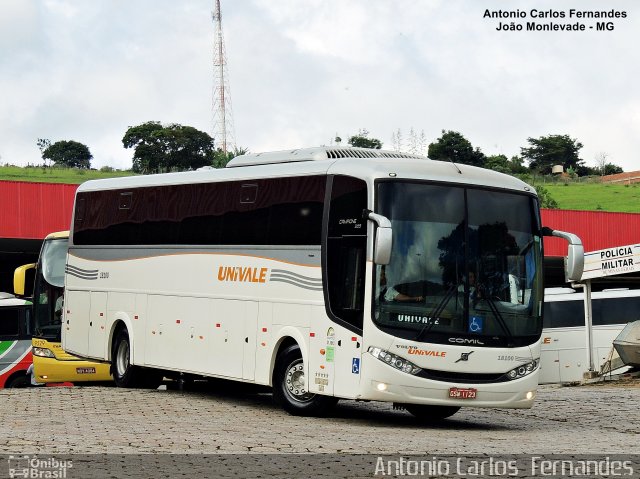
pixel 576 420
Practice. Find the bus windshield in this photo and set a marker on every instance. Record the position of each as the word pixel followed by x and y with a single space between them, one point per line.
pixel 465 266
pixel 49 289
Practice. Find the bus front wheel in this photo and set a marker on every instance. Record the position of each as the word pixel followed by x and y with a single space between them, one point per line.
pixel 289 389
pixel 428 413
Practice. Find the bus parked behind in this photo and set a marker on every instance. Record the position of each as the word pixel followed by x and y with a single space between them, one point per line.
pixel 15 341
pixel 51 364
pixel 564 351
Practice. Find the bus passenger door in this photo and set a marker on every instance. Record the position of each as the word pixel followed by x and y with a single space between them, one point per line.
pixel 344 268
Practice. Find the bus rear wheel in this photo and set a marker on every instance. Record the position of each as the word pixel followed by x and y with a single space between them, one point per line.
pixel 429 413
pixel 289 387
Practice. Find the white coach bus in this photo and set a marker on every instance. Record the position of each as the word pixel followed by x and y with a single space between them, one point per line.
pixel 564 350
pixel 325 273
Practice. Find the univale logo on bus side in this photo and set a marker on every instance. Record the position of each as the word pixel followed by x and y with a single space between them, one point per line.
pixel 242 274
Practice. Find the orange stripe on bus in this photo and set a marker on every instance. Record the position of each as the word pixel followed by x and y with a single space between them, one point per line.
pixel 210 254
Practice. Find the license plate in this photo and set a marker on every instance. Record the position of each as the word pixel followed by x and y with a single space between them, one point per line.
pixel 462 393
pixel 85 370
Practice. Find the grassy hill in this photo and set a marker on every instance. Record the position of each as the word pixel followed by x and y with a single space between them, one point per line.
pixel 569 196
pixel 56 175
pixel 596 197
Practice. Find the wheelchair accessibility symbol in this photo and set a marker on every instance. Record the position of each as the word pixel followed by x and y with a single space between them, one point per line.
pixel 476 324
pixel 355 366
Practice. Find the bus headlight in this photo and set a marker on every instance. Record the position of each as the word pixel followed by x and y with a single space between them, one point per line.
pixel 43 352
pixel 524 370
pixel 397 362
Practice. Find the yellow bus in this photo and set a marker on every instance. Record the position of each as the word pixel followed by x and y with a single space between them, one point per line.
pixel 51 364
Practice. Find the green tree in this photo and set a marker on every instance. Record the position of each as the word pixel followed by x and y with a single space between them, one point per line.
pixel 362 140
pixel 452 146
pixel 220 158
pixel 66 153
pixel 546 201
pixel 516 165
pixel 611 169
pixel 584 170
pixel 171 147
pixel 43 144
pixel 148 153
pixel 547 151
pixel 498 163
pixel 604 167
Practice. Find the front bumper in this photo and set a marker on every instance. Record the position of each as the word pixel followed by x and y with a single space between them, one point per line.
pixel 404 388
pixel 52 370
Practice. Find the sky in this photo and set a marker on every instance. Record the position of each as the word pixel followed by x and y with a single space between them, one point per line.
pixel 302 72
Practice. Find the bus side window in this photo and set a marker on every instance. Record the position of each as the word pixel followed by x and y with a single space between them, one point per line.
pixel 9 323
pixel 345 255
pixel 563 314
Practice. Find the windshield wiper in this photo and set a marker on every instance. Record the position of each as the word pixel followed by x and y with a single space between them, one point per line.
pixel 436 312
pixel 494 309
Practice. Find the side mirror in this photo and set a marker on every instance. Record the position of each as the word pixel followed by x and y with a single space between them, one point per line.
pixel 383 238
pixel 574 263
pixel 20 280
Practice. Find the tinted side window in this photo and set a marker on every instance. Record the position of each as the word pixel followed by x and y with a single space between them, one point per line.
pixel 615 310
pixel 346 250
pixel 278 211
pixel 10 323
pixel 563 314
pixel 296 223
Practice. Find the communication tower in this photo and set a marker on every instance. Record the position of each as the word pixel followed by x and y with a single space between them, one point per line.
pixel 223 132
